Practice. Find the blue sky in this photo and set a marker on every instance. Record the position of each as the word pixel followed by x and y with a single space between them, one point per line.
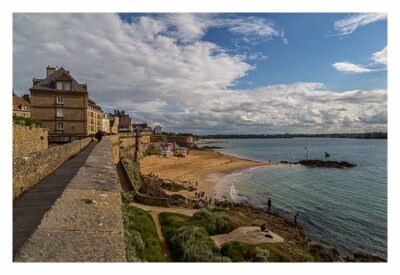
pixel 219 73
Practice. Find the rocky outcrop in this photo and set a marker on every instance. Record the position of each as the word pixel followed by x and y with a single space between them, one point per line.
pixel 363 257
pixel 322 163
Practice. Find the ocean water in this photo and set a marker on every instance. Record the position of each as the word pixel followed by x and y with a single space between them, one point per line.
pixel 346 208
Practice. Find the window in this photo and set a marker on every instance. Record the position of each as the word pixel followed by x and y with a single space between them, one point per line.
pixel 59 85
pixel 60 125
pixel 60 113
pixel 60 100
pixel 67 86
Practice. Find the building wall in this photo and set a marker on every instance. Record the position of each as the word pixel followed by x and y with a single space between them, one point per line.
pixel 114 129
pixel 43 108
pixel 21 113
pixel 27 140
pixel 105 122
pixel 94 121
pixel 31 168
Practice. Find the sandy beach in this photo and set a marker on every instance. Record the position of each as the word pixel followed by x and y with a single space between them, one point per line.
pixel 200 166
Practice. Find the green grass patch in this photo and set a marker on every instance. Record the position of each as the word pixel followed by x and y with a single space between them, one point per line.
pixel 133 173
pixel 141 239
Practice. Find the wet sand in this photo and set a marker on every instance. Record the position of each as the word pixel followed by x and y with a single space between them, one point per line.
pixel 200 166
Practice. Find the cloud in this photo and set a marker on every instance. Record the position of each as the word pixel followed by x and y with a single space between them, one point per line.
pixel 189 27
pixel 348 25
pixel 350 68
pixel 381 56
pixel 144 68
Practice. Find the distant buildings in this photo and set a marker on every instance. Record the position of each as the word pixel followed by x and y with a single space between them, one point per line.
pixel 105 124
pixel 141 127
pixel 157 130
pixel 95 116
pixel 60 103
pixel 21 107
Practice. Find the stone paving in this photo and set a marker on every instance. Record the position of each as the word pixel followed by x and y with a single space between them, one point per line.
pixel 30 207
pixel 85 224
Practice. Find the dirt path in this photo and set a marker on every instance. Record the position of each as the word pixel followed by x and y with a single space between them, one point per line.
pixel 154 212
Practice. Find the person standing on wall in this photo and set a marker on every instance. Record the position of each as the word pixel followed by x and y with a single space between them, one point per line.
pixel 269 205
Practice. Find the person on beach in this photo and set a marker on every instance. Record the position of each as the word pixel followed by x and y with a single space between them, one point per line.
pixel 295 219
pixel 263 227
pixel 269 205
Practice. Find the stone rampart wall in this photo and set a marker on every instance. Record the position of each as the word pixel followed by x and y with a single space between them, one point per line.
pixel 27 140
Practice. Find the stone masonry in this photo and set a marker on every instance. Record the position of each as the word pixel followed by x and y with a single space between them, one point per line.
pixel 85 224
pixel 31 168
pixel 27 140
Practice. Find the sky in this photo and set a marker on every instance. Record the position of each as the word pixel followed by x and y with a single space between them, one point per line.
pixel 218 73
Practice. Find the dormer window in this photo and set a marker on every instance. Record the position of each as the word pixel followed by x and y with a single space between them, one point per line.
pixel 67 86
pixel 59 85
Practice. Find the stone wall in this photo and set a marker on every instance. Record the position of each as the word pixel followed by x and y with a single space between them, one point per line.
pixel 116 156
pixel 27 140
pixel 30 169
pixel 85 224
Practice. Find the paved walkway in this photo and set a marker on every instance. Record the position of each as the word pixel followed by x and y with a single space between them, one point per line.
pixel 30 207
pixel 247 234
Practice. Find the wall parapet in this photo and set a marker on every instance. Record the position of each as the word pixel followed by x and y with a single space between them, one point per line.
pixel 30 169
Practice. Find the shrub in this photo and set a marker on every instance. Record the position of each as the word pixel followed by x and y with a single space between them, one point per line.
pixel 152 150
pixel 133 173
pixel 193 245
pixel 219 223
pixel 261 255
pixel 203 213
pixel 26 121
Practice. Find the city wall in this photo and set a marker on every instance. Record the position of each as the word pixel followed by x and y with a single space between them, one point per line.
pixel 27 140
pixel 31 168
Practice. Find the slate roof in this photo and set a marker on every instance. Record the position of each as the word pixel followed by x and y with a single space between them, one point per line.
pixel 48 84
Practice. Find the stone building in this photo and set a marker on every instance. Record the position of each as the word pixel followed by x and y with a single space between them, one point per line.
pixel 95 116
pixel 105 124
pixel 60 103
pixel 21 107
pixel 157 130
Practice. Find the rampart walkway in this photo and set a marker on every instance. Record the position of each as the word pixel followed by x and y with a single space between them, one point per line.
pixel 30 207
pixel 85 222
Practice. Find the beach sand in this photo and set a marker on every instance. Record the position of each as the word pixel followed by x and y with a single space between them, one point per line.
pixel 201 166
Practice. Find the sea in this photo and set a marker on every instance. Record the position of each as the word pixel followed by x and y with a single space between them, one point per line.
pixel 346 208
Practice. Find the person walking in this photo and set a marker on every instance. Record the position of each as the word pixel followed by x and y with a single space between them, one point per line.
pixel 269 205
pixel 295 219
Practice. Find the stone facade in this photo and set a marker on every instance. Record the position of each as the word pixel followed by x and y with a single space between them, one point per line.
pixel 60 103
pixel 31 168
pixel 95 116
pixel 105 124
pixel 27 140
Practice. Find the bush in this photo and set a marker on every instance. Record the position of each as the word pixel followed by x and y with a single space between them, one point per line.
pixel 261 255
pixel 152 150
pixel 26 121
pixel 133 173
pixel 242 252
pixel 193 245
pixel 215 223
pixel 135 240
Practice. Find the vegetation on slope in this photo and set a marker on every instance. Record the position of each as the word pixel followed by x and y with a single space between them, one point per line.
pixel 141 239
pixel 26 121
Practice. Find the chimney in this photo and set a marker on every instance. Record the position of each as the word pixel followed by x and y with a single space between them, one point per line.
pixel 35 81
pixel 85 86
pixel 50 70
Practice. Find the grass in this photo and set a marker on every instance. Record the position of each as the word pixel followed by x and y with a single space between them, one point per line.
pixel 136 219
pixel 133 173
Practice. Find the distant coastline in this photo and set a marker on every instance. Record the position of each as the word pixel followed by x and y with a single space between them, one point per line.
pixel 371 135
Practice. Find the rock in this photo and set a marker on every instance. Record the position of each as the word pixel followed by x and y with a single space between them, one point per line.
pixel 364 257
pixel 327 164
pixel 326 254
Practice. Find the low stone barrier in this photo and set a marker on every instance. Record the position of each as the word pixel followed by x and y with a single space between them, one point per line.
pixel 145 199
pixel 30 169
pixel 85 224
pixel 27 140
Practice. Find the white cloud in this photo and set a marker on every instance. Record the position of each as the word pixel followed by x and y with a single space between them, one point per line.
pixel 351 23
pixel 144 69
pixel 350 68
pixel 381 56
